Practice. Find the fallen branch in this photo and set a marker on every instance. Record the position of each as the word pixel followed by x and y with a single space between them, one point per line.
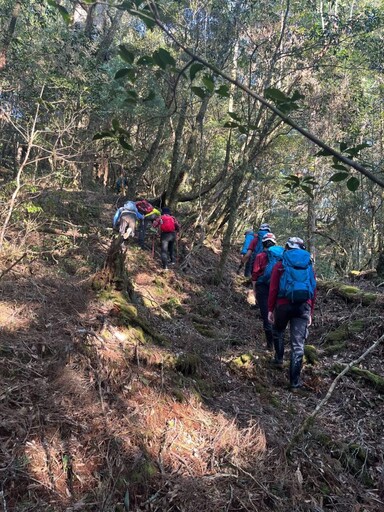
pixel 13 265
pixel 313 414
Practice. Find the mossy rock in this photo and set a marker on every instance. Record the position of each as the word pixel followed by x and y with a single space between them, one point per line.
pixel 204 330
pixel 311 355
pixel 371 379
pixel 243 360
pixel 144 471
pixel 188 364
pixel 334 349
pixel 344 332
pixel 173 305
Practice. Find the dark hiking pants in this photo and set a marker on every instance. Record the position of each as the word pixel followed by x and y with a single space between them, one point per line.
pixel 167 245
pixel 143 228
pixel 262 291
pixel 127 221
pixel 298 316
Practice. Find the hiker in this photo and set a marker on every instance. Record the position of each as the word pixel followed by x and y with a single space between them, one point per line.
pixel 292 295
pixel 255 247
pixel 150 213
pixel 261 277
pixel 121 183
pixel 168 227
pixel 125 219
pixel 249 236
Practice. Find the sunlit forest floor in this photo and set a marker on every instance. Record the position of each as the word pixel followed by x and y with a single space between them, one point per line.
pixel 166 401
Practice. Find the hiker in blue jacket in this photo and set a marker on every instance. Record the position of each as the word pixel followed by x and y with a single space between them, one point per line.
pixel 291 299
pixel 249 236
pixel 125 219
pixel 261 277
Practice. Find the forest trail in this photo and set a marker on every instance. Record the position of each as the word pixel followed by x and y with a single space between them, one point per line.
pixel 168 403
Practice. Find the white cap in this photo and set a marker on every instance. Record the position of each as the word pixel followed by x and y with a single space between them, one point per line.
pixel 294 242
pixel 269 236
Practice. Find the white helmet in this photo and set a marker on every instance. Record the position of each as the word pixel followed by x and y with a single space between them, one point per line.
pixel 294 242
pixel 265 227
pixel 269 237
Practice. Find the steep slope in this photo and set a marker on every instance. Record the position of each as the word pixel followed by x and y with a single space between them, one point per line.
pixel 163 399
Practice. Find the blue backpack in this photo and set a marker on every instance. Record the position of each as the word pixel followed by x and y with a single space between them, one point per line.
pixel 259 246
pixel 275 254
pixel 297 282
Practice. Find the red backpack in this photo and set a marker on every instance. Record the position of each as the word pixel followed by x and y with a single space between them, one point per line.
pixel 144 206
pixel 167 224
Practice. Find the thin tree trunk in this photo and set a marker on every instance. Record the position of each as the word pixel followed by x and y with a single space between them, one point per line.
pixel 20 172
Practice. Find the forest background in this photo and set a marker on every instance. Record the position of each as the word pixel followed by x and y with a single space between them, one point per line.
pixel 91 89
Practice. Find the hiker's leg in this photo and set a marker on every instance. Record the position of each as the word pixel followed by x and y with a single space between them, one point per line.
pixel 171 244
pixel 262 291
pixel 164 249
pixel 282 317
pixel 248 268
pixel 298 327
pixel 123 224
pixel 142 229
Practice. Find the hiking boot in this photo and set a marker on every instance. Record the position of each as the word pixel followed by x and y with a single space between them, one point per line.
pixel 299 390
pixel 276 364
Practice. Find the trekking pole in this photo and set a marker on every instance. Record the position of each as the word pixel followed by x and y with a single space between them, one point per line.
pixel 177 248
pixel 153 246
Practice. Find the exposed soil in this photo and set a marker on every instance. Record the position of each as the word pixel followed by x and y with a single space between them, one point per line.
pixel 169 403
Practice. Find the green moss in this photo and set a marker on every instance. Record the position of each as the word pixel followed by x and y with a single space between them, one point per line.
pixel 275 401
pixel 205 330
pixel 349 290
pixel 242 360
pixel 334 349
pixel 368 298
pixel 372 379
pixel 144 471
pixel 344 332
pixel 178 395
pixel 311 354
pixel 188 364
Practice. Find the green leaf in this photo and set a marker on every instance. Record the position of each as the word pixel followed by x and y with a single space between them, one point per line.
pixel 122 73
pixel 209 83
pixel 307 190
pixel 353 184
pixel 130 101
pixel 199 92
pixel 115 125
pixel 297 96
pixel 243 129
pixel 343 146
pixel 230 124
pixel 234 116
pixel 323 152
pixel 293 177
pixel 340 167
pixel 62 10
pixel 132 93
pixel 163 58
pixel 151 96
pixel 275 94
pixel 223 91
pixel 103 135
pixel 145 60
pixel 124 144
pixel 339 176
pixel 194 69
pixel 126 55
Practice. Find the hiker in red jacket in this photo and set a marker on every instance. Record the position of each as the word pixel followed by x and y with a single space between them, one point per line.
pixel 292 295
pixel 168 227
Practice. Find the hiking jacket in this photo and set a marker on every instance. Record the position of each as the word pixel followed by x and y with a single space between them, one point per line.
pixel 261 262
pixel 248 239
pixel 253 244
pixel 273 299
